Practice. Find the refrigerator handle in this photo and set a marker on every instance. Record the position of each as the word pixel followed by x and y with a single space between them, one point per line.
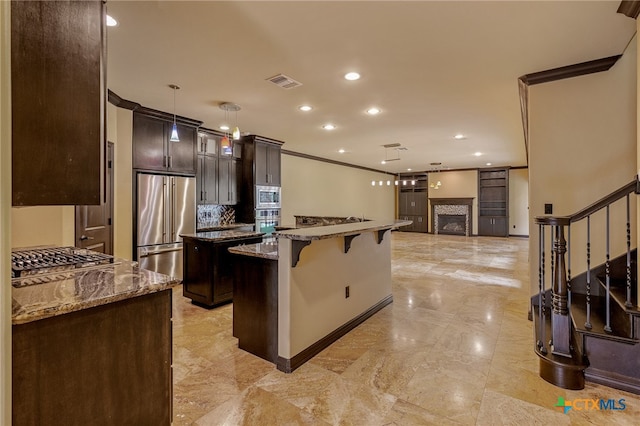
pixel 173 209
pixel 164 209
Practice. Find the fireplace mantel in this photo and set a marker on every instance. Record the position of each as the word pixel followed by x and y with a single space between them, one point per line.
pixel 451 207
pixel 451 201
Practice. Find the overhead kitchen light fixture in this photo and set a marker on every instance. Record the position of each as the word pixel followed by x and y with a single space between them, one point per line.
pixel 174 130
pixel 231 107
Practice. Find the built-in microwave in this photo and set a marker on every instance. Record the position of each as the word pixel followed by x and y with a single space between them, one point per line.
pixel 267 197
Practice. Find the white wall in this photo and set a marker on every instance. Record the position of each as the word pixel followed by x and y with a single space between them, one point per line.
pixel 456 184
pixel 317 188
pixel 582 147
pixel 519 202
pixel 5 212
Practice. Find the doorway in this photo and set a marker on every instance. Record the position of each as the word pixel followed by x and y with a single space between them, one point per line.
pixel 94 224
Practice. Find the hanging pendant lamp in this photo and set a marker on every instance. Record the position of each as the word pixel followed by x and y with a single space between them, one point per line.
pixel 231 107
pixel 174 130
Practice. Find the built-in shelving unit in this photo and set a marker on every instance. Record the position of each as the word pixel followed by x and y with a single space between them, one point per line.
pixel 493 202
pixel 412 201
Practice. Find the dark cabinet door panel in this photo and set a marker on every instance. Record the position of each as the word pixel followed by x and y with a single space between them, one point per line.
pixel 58 102
pixel 148 143
pixel 181 154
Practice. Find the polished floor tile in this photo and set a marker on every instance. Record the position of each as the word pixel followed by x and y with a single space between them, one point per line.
pixel 454 348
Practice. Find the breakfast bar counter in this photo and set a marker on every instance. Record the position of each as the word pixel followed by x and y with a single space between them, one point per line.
pixel 295 296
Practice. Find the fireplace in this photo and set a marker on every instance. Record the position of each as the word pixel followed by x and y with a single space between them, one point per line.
pixel 455 224
pixel 451 216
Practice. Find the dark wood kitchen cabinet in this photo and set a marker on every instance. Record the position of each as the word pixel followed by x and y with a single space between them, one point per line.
pixel 493 202
pixel 107 365
pixel 267 162
pixel 152 149
pixel 227 181
pixel 261 165
pixel 58 106
pixel 207 168
pixel 208 269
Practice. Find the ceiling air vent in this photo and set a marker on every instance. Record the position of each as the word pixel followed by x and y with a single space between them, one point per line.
pixel 284 81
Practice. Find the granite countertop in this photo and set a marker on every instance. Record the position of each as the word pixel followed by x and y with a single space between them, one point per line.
pixel 345 229
pixel 37 297
pixel 262 250
pixel 229 226
pixel 216 236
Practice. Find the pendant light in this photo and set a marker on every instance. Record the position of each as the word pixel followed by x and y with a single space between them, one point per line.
pixel 174 130
pixel 231 107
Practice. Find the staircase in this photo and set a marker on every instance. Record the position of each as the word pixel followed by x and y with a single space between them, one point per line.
pixel 587 327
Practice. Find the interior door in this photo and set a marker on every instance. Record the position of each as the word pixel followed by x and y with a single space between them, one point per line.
pixel 94 224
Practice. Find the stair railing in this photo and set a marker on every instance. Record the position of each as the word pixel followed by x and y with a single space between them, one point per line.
pixel 559 304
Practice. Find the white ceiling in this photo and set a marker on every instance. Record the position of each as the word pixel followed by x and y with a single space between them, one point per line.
pixel 434 69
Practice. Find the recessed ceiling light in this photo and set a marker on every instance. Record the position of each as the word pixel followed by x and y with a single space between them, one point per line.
pixel 352 76
pixel 305 108
pixel 373 111
pixel 488 164
pixel 383 162
pixel 409 169
pixel 477 154
pixel 111 22
pixel 459 136
pixel 341 151
pixel 224 127
pixel 328 126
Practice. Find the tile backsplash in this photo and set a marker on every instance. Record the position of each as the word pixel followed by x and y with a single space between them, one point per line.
pixel 210 215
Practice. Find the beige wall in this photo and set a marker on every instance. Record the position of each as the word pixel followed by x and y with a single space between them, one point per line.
pixel 42 225
pixel 582 147
pixel 120 132
pixel 519 202
pixel 5 212
pixel 311 296
pixel 317 188
pixel 456 184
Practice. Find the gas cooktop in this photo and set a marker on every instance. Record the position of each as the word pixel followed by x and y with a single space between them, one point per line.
pixel 37 261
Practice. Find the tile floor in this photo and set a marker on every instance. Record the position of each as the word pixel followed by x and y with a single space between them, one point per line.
pixel 455 347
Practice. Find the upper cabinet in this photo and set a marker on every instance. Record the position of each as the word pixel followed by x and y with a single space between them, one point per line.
pixel 267 163
pixel 58 102
pixel 152 149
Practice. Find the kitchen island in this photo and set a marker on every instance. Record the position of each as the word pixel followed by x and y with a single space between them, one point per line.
pixel 92 346
pixel 208 269
pixel 329 280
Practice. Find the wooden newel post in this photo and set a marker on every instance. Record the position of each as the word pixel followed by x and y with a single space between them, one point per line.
pixel 560 321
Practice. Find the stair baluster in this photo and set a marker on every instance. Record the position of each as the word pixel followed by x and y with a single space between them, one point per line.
pixel 569 268
pixel 541 291
pixel 607 326
pixel 628 303
pixel 587 323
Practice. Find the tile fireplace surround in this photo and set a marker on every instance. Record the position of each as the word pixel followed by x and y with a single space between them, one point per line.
pixel 451 207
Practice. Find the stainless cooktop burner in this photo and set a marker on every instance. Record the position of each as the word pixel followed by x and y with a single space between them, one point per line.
pixel 35 261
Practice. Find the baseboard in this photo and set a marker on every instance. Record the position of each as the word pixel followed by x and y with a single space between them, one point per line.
pixel 288 365
pixel 616 381
pixel 518 236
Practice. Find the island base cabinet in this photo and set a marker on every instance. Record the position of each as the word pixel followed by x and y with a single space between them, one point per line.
pixel 255 306
pixel 107 365
pixel 208 270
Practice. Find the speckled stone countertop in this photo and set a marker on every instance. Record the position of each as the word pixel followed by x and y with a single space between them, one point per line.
pixel 345 229
pixel 262 250
pixel 229 226
pixel 42 296
pixel 214 236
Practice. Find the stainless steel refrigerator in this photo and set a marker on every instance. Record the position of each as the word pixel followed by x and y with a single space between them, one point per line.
pixel 166 208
